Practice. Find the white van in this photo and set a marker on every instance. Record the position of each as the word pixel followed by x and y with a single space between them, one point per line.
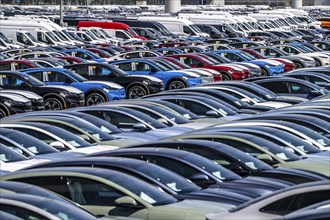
pixel 177 25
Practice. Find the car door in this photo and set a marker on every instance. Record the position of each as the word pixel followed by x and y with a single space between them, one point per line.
pixel 145 68
pixel 279 88
pixel 59 78
pixel 8 81
pixel 298 89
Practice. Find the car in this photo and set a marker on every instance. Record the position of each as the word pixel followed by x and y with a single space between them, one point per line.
pixel 292 87
pixel 84 54
pixel 36 54
pixel 300 61
pixel 37 207
pixel 228 72
pixel 11 160
pixel 169 182
pixel 56 137
pixel 279 203
pixel 261 149
pixel 14 65
pixel 135 85
pixel 95 91
pixel 171 79
pixel 55 97
pixel 130 196
pixel 268 67
pixel 13 103
pixel 318 79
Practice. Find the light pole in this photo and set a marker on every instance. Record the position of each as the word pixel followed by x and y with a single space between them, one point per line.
pixel 61 12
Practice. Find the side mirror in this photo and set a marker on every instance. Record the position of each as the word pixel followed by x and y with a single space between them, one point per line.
pixel 112 74
pixel 153 70
pixel 266 158
pixel 163 121
pixel 235 167
pixel 315 93
pixel 67 81
pixel 127 202
pixel 212 114
pixel 289 149
pixel 57 145
pixel 140 127
pixel 202 180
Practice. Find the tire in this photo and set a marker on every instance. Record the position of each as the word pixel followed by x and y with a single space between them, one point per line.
pixel 2 113
pixel 53 104
pixel 136 91
pixel 317 63
pixel 225 77
pixel 299 65
pixel 94 99
pixel 176 84
pixel 264 72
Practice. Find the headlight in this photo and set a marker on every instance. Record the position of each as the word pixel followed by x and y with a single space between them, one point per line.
pixel 306 60
pixel 10 103
pixel 64 94
pixel 146 82
pixel 188 76
pixel 323 57
pixel 107 88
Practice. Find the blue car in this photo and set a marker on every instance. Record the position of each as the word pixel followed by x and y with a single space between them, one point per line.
pixel 268 67
pixel 171 79
pixel 84 54
pixel 95 91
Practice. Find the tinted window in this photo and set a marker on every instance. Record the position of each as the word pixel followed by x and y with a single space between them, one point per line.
pixel 5 67
pixel 297 88
pixel 21 212
pixel 277 87
pixel 295 202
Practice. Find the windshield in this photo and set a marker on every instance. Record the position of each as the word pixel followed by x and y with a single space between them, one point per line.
pixel 177 118
pixel 29 142
pixel 8 155
pixel 215 169
pixel 234 26
pixel 97 33
pixel 101 124
pixel 31 37
pixel 169 179
pixel 247 56
pixel 59 35
pixel 51 36
pixel 143 190
pixel 70 138
pixel 78 77
pixel 195 28
pixel 281 153
pixel 105 34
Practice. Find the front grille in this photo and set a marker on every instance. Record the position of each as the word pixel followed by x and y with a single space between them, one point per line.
pixel 122 92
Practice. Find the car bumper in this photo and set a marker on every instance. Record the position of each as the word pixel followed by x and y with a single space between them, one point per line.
pixel 311 63
pixel 275 70
pixel 156 88
pixel 77 101
pixel 193 81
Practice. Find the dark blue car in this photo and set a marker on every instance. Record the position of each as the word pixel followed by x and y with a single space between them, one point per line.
pixel 268 67
pixel 95 91
pixel 84 54
pixel 171 79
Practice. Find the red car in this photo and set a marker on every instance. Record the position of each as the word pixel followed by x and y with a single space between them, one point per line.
pixel 13 65
pixel 228 72
pixel 288 65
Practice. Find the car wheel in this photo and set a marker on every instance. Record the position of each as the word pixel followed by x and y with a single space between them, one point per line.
pixel 176 84
pixel 225 77
pixel 135 92
pixel 2 113
pixel 298 65
pixel 317 63
pixel 94 99
pixel 264 72
pixel 53 104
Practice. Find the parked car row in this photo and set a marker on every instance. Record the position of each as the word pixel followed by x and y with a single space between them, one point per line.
pixel 221 143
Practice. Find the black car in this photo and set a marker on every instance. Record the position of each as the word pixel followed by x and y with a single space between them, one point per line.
pixel 11 104
pixel 319 79
pixel 55 97
pixel 36 100
pixel 135 85
pixel 199 170
pixel 168 181
pixel 291 87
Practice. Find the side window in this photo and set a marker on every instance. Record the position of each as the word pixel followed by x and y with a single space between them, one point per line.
pixel 141 66
pixel 20 212
pixel 125 66
pixel 58 77
pixel 38 75
pixel 117 119
pixel 83 70
pixel 43 137
pixel 11 81
pixel 147 54
pixel 240 146
pixel 81 55
pixel 277 87
pixel 173 165
pixel 20 66
pixel 132 55
pixel 187 30
pixel 5 67
pixel 295 202
pixel 194 107
pixel 233 57
pixel 216 157
pixel 316 80
pixel 28 56
pixel 297 88
pixel 89 192
pixel 21 38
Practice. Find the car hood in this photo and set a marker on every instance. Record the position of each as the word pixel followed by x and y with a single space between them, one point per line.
pixel 13 166
pixel 195 125
pixel 93 149
pixel 272 62
pixel 27 94
pixel 120 142
pixel 66 88
pixel 142 137
pixel 186 209
pixel 111 84
pixel 167 132
pixel 152 78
